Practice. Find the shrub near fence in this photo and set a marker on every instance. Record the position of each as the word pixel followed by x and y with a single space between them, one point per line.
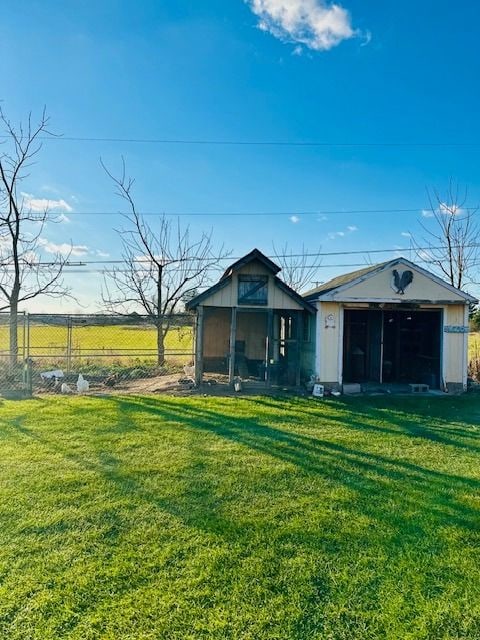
pixel 100 346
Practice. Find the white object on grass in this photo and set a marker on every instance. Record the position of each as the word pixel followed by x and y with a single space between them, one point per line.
pixel 48 375
pixel 189 371
pixel 82 384
pixel 318 390
pixel 65 389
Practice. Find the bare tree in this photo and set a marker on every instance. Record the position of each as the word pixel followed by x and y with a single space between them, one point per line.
pixel 450 241
pixel 162 267
pixel 298 269
pixel 22 274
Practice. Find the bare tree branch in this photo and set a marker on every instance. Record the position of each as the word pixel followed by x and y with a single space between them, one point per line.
pixel 299 269
pixel 163 265
pixel 451 236
pixel 22 278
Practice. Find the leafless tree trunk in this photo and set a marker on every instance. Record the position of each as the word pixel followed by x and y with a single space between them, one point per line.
pixel 298 269
pixel 22 274
pixel 162 266
pixel 450 242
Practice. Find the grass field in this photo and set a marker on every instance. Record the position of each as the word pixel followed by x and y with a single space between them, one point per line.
pixel 228 518
pixel 51 341
pixel 473 344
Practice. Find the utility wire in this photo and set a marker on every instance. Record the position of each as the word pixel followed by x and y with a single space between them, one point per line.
pixel 254 143
pixel 321 266
pixel 231 259
pixel 319 212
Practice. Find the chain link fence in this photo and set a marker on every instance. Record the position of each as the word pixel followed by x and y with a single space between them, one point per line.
pixel 52 350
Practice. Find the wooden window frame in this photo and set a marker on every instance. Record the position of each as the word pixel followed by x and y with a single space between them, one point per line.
pixel 261 282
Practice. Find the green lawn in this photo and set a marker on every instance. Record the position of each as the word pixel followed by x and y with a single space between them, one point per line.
pixel 184 518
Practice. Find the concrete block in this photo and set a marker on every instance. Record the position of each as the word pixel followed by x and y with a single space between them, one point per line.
pixel 350 389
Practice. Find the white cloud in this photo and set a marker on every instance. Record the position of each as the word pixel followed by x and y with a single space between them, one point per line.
pixel 30 256
pixel 64 248
pixel 298 51
pixel 450 209
pixel 405 234
pixel 427 213
pixel 443 208
pixel 340 234
pixel 316 24
pixel 49 188
pixel 39 205
pixel 294 219
pixel 424 255
pixel 62 218
pixel 102 254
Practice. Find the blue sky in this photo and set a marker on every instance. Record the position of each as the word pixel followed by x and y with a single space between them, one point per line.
pixel 233 70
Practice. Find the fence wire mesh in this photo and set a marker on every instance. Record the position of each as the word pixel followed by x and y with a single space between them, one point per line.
pixel 109 351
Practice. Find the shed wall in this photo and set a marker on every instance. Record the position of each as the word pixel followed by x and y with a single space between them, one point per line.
pixel 328 341
pixel 228 296
pixel 379 286
pixel 455 345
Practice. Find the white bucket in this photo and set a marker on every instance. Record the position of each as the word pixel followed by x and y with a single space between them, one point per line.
pixel 318 390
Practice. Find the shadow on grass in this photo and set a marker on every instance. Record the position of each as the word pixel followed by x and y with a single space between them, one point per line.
pixel 418 418
pixel 404 496
pixel 375 479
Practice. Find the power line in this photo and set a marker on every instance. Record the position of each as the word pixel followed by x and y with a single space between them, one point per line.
pixel 319 212
pixel 254 143
pixel 307 254
pixel 321 266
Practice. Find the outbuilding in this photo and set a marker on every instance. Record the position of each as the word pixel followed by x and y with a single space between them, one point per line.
pixel 251 325
pixel 391 323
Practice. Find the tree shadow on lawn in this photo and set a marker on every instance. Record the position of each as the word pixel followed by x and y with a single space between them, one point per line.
pixel 386 489
pixel 386 505
pixel 427 420
pixel 403 496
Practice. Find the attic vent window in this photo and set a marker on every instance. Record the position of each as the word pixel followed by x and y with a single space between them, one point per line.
pixel 253 290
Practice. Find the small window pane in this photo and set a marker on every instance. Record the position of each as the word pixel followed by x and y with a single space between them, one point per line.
pixel 253 290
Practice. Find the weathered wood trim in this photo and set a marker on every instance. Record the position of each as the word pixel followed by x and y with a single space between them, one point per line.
pixel 465 349
pixel 233 337
pixel 299 347
pixel 269 346
pixel 400 301
pixel 199 346
pixel 341 322
pixel 318 344
pixel 443 351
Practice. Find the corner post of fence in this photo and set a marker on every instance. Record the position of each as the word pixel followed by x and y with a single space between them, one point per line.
pixel 27 377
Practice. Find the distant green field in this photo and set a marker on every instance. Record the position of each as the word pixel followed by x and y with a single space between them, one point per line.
pixel 110 341
pixel 474 345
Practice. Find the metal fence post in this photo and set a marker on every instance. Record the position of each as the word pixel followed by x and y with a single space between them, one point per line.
pixel 27 348
pixel 24 335
pixel 69 344
pixel 27 378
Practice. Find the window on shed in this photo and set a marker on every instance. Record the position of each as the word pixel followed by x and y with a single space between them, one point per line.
pixel 253 290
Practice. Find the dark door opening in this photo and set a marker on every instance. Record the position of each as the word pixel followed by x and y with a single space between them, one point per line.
pixel 397 346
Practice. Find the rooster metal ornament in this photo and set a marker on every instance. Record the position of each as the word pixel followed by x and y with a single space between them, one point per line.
pixel 401 282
